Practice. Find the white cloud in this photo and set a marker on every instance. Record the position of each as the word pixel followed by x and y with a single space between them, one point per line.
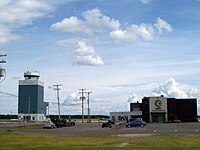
pixel 66 42
pixel 86 55
pixel 133 33
pixel 71 24
pixel 6 35
pixel 144 32
pixel 194 92
pixel 112 89
pixel 133 98
pixel 72 99
pixel 94 20
pixel 18 13
pixel 171 88
pixel 145 1
pixel 162 26
pixel 22 12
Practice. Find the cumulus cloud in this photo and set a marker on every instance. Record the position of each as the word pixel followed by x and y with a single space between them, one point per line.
pixel 96 20
pixel 172 88
pixel 144 32
pixel 22 12
pixel 133 33
pixel 67 42
pixel 194 92
pixel 6 35
pixel 72 24
pixel 162 26
pixel 72 99
pixel 145 1
pixel 18 13
pixel 93 20
pixel 86 55
pixel 133 98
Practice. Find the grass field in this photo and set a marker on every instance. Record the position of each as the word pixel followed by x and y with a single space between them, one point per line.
pixel 13 141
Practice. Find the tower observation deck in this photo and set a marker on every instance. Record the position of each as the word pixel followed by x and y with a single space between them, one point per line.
pixel 33 75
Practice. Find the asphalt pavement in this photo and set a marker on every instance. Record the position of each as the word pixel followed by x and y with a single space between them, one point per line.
pixel 151 128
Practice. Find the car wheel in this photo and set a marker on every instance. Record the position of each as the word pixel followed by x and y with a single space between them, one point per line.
pixel 142 125
pixel 129 126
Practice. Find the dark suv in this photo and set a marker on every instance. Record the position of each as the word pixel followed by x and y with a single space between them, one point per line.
pixel 108 124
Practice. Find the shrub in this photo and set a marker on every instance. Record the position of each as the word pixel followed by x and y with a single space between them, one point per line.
pixel 176 121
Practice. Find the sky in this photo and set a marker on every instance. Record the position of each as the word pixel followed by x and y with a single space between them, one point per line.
pixel 119 50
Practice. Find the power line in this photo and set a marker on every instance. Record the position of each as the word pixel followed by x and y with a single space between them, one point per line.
pixel 8 94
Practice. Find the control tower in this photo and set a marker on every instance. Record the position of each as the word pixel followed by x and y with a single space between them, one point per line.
pixel 31 105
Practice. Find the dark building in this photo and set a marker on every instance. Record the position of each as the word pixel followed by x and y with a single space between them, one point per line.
pixel 135 106
pixel 161 109
pixel 31 105
pixel 182 109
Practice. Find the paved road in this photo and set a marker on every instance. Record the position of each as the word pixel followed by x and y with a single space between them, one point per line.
pixel 95 128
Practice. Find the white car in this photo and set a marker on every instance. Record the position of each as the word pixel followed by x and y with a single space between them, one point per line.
pixel 49 125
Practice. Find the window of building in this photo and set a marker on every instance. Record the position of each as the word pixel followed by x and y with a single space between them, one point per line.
pixel 136 109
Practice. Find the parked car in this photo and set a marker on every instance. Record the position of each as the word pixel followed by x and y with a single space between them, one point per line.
pixel 49 125
pixel 136 123
pixel 68 122
pixel 107 123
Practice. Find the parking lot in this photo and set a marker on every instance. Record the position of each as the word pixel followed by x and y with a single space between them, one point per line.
pixel 151 128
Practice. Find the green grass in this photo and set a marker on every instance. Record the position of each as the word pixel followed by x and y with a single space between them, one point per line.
pixel 13 141
pixel 18 128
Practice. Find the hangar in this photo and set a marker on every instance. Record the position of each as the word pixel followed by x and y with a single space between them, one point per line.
pixel 161 109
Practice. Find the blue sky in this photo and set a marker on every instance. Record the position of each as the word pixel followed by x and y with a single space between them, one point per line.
pixel 120 50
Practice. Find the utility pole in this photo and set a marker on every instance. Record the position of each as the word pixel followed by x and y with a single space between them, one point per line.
pixel 57 89
pixel 88 101
pixel 82 98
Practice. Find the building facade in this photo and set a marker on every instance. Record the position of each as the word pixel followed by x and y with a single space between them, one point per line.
pixel 154 109
pixel 31 105
pixel 125 116
pixel 161 109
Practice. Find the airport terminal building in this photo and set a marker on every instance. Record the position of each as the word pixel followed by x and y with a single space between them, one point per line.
pixel 161 109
